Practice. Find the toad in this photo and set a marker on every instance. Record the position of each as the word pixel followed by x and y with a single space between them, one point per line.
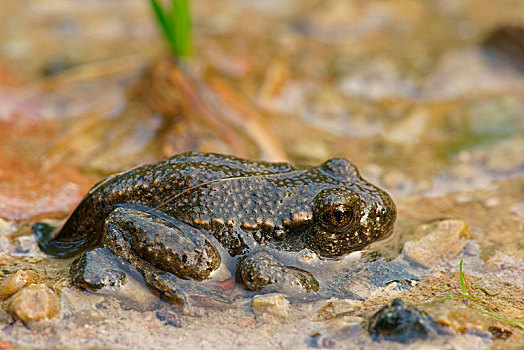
pixel 179 220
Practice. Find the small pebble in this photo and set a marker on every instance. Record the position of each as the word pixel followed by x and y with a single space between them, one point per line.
pixel 274 303
pixel 444 239
pixel 34 303
pixel 15 281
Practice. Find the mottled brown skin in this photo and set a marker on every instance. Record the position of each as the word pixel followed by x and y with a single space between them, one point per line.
pixel 166 218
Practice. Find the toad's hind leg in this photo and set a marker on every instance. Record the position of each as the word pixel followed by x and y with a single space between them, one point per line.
pixel 170 254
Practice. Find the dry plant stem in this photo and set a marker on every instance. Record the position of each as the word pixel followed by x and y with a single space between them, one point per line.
pixel 181 81
pixel 254 124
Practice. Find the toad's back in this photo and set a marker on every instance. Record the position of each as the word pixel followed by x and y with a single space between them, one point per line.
pixel 153 185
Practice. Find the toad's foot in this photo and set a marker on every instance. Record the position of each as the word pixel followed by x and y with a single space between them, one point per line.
pixel 262 272
pixel 97 269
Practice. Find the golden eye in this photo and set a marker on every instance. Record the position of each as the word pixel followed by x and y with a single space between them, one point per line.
pixel 339 216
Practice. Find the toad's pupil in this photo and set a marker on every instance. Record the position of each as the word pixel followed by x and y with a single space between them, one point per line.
pixel 342 215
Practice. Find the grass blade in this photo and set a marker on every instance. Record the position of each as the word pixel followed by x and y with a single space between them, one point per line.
pixel 182 18
pixel 175 24
pixel 514 322
pixel 462 284
pixel 187 25
pixel 163 22
pixel 449 296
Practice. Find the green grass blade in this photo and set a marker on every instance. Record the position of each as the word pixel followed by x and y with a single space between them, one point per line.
pixel 462 285
pixel 163 22
pixel 187 26
pixel 182 19
pixel 449 296
pixel 514 322
pixel 175 23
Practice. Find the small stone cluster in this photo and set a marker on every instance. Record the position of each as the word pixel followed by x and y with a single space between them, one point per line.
pixel 27 299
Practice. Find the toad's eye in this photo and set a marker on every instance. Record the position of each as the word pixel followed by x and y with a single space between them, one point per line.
pixel 337 215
